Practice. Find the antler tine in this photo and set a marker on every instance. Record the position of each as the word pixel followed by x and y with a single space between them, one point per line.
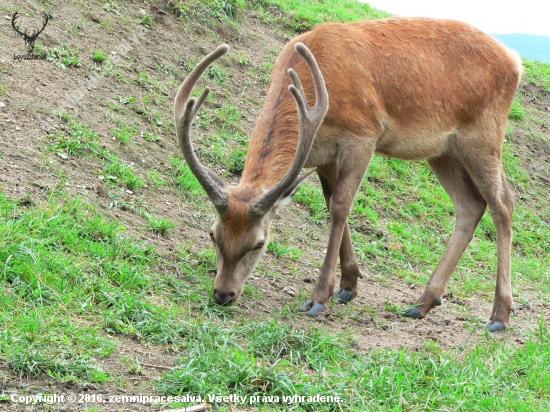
pixel 185 109
pixel 310 120
pixel 16 28
pixel 46 20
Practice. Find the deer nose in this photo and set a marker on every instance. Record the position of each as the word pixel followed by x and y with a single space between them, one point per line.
pixel 223 298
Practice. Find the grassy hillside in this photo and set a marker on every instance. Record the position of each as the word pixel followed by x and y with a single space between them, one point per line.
pixel 106 266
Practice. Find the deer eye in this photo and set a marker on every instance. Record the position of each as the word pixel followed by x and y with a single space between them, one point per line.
pixel 260 245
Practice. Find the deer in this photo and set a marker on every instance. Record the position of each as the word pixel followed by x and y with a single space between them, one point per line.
pixel 416 89
pixel 29 38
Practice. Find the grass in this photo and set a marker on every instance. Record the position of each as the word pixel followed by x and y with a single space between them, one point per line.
pixel 124 133
pixel 76 283
pixel 116 171
pixel 147 21
pixel 64 56
pixel 59 261
pixel 268 363
pixel 517 112
pixel 301 16
pixel 99 56
pixel 77 141
pixel 69 265
pixel 160 225
pixel 211 12
pixel 538 72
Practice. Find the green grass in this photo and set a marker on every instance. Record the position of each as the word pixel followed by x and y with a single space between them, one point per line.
pixel 124 133
pixel 65 266
pixel 211 12
pixel 64 56
pixel 99 56
pixel 75 283
pixel 147 21
pixel 76 141
pixel 304 15
pixel 538 72
pixel 60 261
pixel 270 359
pixel 160 225
pixel 517 112
pixel 117 171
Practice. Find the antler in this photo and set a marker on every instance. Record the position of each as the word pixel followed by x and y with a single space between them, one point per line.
pixel 29 40
pixel 185 109
pixel 46 20
pixel 16 28
pixel 310 119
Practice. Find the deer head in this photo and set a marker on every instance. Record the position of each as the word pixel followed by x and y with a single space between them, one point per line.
pixel 29 39
pixel 241 231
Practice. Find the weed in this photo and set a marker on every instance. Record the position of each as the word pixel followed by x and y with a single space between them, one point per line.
pixel 99 56
pixel 134 366
pixel 517 112
pixel 76 142
pixel 160 225
pixel 171 71
pixel 39 50
pixel 155 178
pixel 114 7
pixel 150 137
pixel 217 75
pixel 106 25
pixel 147 21
pixel 124 133
pixel 143 79
pixel 64 56
pixel 115 170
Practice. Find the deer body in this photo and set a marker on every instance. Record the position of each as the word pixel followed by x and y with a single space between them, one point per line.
pixel 414 89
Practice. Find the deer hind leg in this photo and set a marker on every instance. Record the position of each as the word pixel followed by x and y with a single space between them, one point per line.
pixel 490 179
pixel 348 261
pixel 470 206
pixel 352 165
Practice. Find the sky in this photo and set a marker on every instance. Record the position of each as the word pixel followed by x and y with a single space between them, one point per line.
pixel 491 16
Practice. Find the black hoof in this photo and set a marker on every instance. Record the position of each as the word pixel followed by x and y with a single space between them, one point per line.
pixel 412 312
pixel 306 306
pixel 495 326
pixel 360 275
pixel 312 309
pixel 345 296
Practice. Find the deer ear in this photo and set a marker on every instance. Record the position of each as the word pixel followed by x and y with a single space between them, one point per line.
pixel 287 196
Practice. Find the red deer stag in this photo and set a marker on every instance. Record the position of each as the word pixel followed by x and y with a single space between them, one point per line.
pixel 413 89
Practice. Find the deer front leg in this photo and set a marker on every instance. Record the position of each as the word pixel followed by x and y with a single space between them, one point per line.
pixel 352 166
pixel 348 261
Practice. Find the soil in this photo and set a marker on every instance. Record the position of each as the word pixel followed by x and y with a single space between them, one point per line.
pixel 37 91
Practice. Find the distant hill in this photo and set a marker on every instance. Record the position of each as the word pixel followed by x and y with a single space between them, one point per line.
pixel 527 45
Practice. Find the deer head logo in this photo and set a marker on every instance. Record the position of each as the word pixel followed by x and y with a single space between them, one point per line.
pixel 29 38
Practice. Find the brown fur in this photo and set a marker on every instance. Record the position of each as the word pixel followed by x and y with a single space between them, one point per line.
pixel 414 89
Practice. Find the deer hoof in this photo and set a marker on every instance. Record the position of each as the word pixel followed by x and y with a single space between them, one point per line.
pixel 413 312
pixel 312 309
pixel 345 296
pixel 495 326
pixel 360 275
pixel 306 306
